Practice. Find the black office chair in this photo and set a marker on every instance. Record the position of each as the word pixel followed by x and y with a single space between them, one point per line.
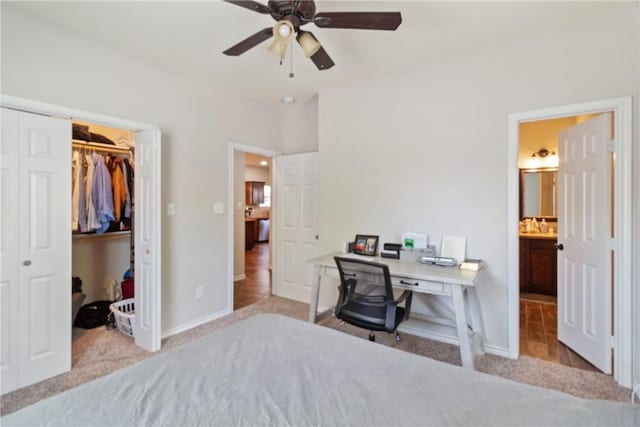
pixel 366 297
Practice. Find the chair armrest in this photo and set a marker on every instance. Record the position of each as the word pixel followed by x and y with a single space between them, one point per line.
pixel 408 296
pixel 404 296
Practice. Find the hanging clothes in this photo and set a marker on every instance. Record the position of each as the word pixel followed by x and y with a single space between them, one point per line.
pixel 127 204
pixel 102 194
pixel 118 187
pixel 128 163
pixel 82 196
pixel 76 178
pixel 92 220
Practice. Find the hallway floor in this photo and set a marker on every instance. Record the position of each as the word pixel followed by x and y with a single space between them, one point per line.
pixel 539 335
pixel 257 284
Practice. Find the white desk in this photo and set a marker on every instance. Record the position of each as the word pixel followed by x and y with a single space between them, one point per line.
pixel 427 279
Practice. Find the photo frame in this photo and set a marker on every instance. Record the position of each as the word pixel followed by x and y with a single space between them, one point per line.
pixel 365 244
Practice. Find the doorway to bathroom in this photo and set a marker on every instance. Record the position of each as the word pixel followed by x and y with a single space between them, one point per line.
pixel 579 319
pixel 538 164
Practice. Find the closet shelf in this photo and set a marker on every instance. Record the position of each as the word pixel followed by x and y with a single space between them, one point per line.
pixel 76 143
pixel 103 236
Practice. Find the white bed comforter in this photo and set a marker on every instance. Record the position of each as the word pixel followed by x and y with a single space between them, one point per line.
pixel 273 370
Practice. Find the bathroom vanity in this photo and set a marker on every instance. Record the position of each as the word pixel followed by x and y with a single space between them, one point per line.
pixel 538 263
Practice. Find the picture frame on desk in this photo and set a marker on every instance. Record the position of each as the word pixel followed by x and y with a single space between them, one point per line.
pixel 365 244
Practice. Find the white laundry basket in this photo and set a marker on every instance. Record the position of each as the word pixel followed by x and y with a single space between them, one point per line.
pixel 124 314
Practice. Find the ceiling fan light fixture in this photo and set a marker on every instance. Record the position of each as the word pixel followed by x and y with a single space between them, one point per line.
pixel 278 49
pixel 308 43
pixel 283 32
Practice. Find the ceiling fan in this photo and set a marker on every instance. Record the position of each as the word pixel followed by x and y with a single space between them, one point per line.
pixel 291 15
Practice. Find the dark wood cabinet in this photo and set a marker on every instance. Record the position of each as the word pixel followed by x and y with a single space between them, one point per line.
pixel 254 193
pixel 538 266
pixel 250 233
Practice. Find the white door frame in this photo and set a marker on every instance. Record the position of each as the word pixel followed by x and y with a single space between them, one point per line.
pixel 37 107
pixel 622 298
pixel 232 148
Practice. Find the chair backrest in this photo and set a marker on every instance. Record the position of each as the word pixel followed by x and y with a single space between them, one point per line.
pixel 371 278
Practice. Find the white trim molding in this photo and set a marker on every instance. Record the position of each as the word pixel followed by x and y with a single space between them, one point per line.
pixel 194 323
pixel 622 298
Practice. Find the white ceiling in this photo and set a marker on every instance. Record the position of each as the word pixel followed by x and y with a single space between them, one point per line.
pixel 190 37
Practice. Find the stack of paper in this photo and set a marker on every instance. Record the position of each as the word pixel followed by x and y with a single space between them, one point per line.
pixel 471 264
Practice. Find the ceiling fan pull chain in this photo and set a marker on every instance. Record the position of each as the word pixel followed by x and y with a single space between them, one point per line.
pixel 291 61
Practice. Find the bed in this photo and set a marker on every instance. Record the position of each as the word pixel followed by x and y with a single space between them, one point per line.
pixel 274 370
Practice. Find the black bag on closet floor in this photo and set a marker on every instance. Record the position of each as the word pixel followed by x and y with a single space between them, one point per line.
pixel 93 315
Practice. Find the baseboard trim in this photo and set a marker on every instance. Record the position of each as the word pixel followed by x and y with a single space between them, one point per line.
pixel 190 325
pixel 498 351
pixel 239 277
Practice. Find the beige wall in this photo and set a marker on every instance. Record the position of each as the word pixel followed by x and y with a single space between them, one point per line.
pixel 198 119
pixel 96 259
pixel 395 156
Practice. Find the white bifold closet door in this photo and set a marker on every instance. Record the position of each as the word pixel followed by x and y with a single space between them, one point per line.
pixel 35 248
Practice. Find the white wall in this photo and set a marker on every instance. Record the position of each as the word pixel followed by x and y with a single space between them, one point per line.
pixel 426 150
pixel 300 126
pixel 51 64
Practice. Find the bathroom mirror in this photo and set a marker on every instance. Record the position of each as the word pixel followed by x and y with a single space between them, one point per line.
pixel 539 193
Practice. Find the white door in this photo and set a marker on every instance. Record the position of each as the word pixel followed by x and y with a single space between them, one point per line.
pixel 584 212
pixel 36 248
pixel 147 326
pixel 296 224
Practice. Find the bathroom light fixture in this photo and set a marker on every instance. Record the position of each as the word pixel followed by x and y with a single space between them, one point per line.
pixel 287 100
pixel 543 152
pixel 544 158
pixel 263 163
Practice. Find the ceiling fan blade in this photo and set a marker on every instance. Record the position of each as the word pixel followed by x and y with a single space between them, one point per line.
pixel 359 20
pixel 322 60
pixel 251 5
pixel 249 42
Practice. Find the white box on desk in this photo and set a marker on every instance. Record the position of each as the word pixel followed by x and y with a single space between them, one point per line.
pixel 408 255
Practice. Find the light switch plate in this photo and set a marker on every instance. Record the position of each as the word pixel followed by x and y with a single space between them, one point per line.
pixel 171 209
pixel 218 208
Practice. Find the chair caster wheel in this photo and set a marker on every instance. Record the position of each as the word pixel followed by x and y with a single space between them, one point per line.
pixel 372 337
pixel 397 337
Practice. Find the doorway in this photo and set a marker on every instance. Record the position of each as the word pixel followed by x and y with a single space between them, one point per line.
pixel 538 163
pixel 257 282
pixel 620 245
pixel 251 180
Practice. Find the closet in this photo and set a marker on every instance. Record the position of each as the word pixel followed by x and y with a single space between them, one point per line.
pixel 36 237
pixel 103 203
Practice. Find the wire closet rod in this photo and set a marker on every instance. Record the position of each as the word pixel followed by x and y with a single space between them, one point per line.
pixel 100 147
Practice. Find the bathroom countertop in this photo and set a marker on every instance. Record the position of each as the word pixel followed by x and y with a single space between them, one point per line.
pixel 538 235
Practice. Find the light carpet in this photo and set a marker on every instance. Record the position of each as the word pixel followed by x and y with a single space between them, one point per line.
pixel 97 352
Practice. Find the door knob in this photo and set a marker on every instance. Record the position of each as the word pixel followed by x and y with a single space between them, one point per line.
pixel 558 246
pixel 26 262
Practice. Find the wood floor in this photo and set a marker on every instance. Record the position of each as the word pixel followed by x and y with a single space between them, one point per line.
pixel 539 335
pixel 257 284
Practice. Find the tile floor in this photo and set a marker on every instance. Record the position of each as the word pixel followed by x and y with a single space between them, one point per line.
pixel 539 334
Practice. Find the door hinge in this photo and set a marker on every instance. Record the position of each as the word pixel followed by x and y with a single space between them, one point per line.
pixel 611 146
pixel 611 341
pixel 612 244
